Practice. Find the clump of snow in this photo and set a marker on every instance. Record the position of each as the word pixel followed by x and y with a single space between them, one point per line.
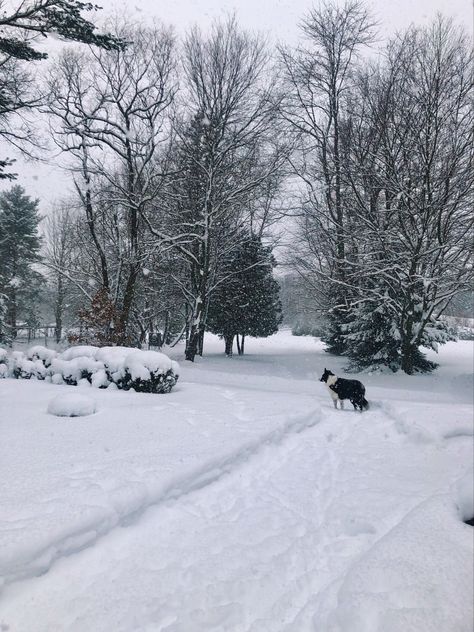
pixel 80 351
pixel 72 405
pixel 76 369
pixel 113 357
pixel 3 363
pixel 20 367
pixel 464 494
pixel 100 379
pixel 44 354
pixel 401 582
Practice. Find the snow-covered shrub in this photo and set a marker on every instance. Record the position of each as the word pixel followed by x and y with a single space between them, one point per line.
pixel 75 369
pixel 148 372
pixel 100 379
pixel 3 363
pixel 20 367
pixel 44 354
pixel 465 333
pixel 81 351
pixel 121 367
pixel 72 405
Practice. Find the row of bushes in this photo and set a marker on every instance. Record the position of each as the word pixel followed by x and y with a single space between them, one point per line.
pixel 117 367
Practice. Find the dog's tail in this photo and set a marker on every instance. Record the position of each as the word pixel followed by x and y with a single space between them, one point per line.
pixel 365 404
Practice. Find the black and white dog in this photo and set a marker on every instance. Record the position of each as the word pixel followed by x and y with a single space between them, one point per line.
pixel 341 389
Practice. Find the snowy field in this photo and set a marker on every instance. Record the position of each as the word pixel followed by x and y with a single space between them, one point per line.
pixel 241 501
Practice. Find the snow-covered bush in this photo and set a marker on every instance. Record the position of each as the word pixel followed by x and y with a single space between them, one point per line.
pixel 76 369
pixel 465 333
pixel 122 367
pixel 3 363
pixel 148 372
pixel 44 354
pixel 20 367
pixel 81 351
pixel 71 405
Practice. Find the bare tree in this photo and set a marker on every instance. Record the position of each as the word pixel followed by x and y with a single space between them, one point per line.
pixel 111 107
pixel 59 257
pixel 411 153
pixel 317 77
pixel 20 26
pixel 225 153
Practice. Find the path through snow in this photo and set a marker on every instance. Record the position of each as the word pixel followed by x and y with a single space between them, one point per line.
pixel 329 522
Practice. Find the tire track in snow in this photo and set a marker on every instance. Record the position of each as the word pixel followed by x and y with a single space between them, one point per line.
pixel 40 562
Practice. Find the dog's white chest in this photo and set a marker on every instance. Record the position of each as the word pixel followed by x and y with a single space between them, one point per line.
pixel 332 379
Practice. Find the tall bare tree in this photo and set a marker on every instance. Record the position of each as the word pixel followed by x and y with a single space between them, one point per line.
pixel 110 109
pixel 317 77
pixel 411 171
pixel 225 154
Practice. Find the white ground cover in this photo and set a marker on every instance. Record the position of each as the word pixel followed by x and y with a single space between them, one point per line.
pixel 241 501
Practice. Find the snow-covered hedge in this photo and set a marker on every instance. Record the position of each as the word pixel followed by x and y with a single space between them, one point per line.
pixel 3 363
pixel 120 367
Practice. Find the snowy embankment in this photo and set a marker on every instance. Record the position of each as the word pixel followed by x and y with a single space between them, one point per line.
pixel 242 501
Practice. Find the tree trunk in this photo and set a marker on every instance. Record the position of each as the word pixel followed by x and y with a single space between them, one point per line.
pixel 238 344
pixel 229 344
pixel 195 333
pixel 201 341
pixel 58 312
pixel 12 314
pixel 128 297
pixel 408 353
pixel 242 345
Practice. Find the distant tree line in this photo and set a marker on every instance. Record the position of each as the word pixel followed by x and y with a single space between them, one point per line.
pixel 191 159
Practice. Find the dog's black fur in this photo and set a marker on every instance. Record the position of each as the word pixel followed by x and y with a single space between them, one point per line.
pixel 352 390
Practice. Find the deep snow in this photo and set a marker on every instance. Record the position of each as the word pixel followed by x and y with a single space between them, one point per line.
pixel 241 501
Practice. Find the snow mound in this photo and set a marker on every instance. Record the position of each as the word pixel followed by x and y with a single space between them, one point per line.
pixel 113 357
pixel 464 493
pixel 417 578
pixel 72 405
pixel 80 351
pixel 142 363
pixel 3 363
pixel 44 354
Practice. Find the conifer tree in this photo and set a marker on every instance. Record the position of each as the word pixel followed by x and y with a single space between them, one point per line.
pixel 246 302
pixel 19 250
pixel 20 27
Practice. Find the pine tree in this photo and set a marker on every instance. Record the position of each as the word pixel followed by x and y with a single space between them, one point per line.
pixel 62 18
pixel 246 302
pixel 19 31
pixel 19 250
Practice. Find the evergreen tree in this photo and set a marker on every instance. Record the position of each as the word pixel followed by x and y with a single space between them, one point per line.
pixel 19 250
pixel 62 18
pixel 19 30
pixel 246 301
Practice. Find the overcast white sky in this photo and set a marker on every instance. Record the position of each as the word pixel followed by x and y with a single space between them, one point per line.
pixel 278 19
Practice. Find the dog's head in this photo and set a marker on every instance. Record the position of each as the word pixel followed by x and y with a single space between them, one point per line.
pixel 325 375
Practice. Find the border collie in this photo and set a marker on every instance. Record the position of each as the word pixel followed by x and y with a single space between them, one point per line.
pixel 341 389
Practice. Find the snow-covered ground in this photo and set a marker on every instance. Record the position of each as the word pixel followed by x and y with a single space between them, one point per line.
pixel 241 501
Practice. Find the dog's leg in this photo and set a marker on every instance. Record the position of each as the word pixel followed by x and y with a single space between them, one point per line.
pixel 342 404
pixel 335 403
